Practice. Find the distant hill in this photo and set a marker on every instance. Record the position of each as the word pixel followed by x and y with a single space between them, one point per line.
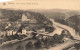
pixel 52 13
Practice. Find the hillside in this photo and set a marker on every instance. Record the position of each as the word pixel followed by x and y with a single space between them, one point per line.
pixel 74 22
pixel 12 16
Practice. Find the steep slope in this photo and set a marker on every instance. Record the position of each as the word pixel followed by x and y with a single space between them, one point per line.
pixel 74 22
pixel 13 16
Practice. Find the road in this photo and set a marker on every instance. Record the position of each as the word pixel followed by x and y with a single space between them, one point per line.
pixel 64 45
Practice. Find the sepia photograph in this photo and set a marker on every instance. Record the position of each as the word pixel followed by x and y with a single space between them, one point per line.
pixel 40 25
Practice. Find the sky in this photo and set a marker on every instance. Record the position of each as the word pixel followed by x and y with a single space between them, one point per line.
pixel 5 0
pixel 42 4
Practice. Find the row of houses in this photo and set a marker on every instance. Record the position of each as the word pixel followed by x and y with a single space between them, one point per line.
pixel 24 32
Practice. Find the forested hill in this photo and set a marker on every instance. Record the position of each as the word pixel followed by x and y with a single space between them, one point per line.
pixel 8 15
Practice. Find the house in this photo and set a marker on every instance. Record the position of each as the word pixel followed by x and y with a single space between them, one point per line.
pixel 24 31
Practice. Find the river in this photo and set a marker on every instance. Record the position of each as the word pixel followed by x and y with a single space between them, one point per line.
pixel 71 30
